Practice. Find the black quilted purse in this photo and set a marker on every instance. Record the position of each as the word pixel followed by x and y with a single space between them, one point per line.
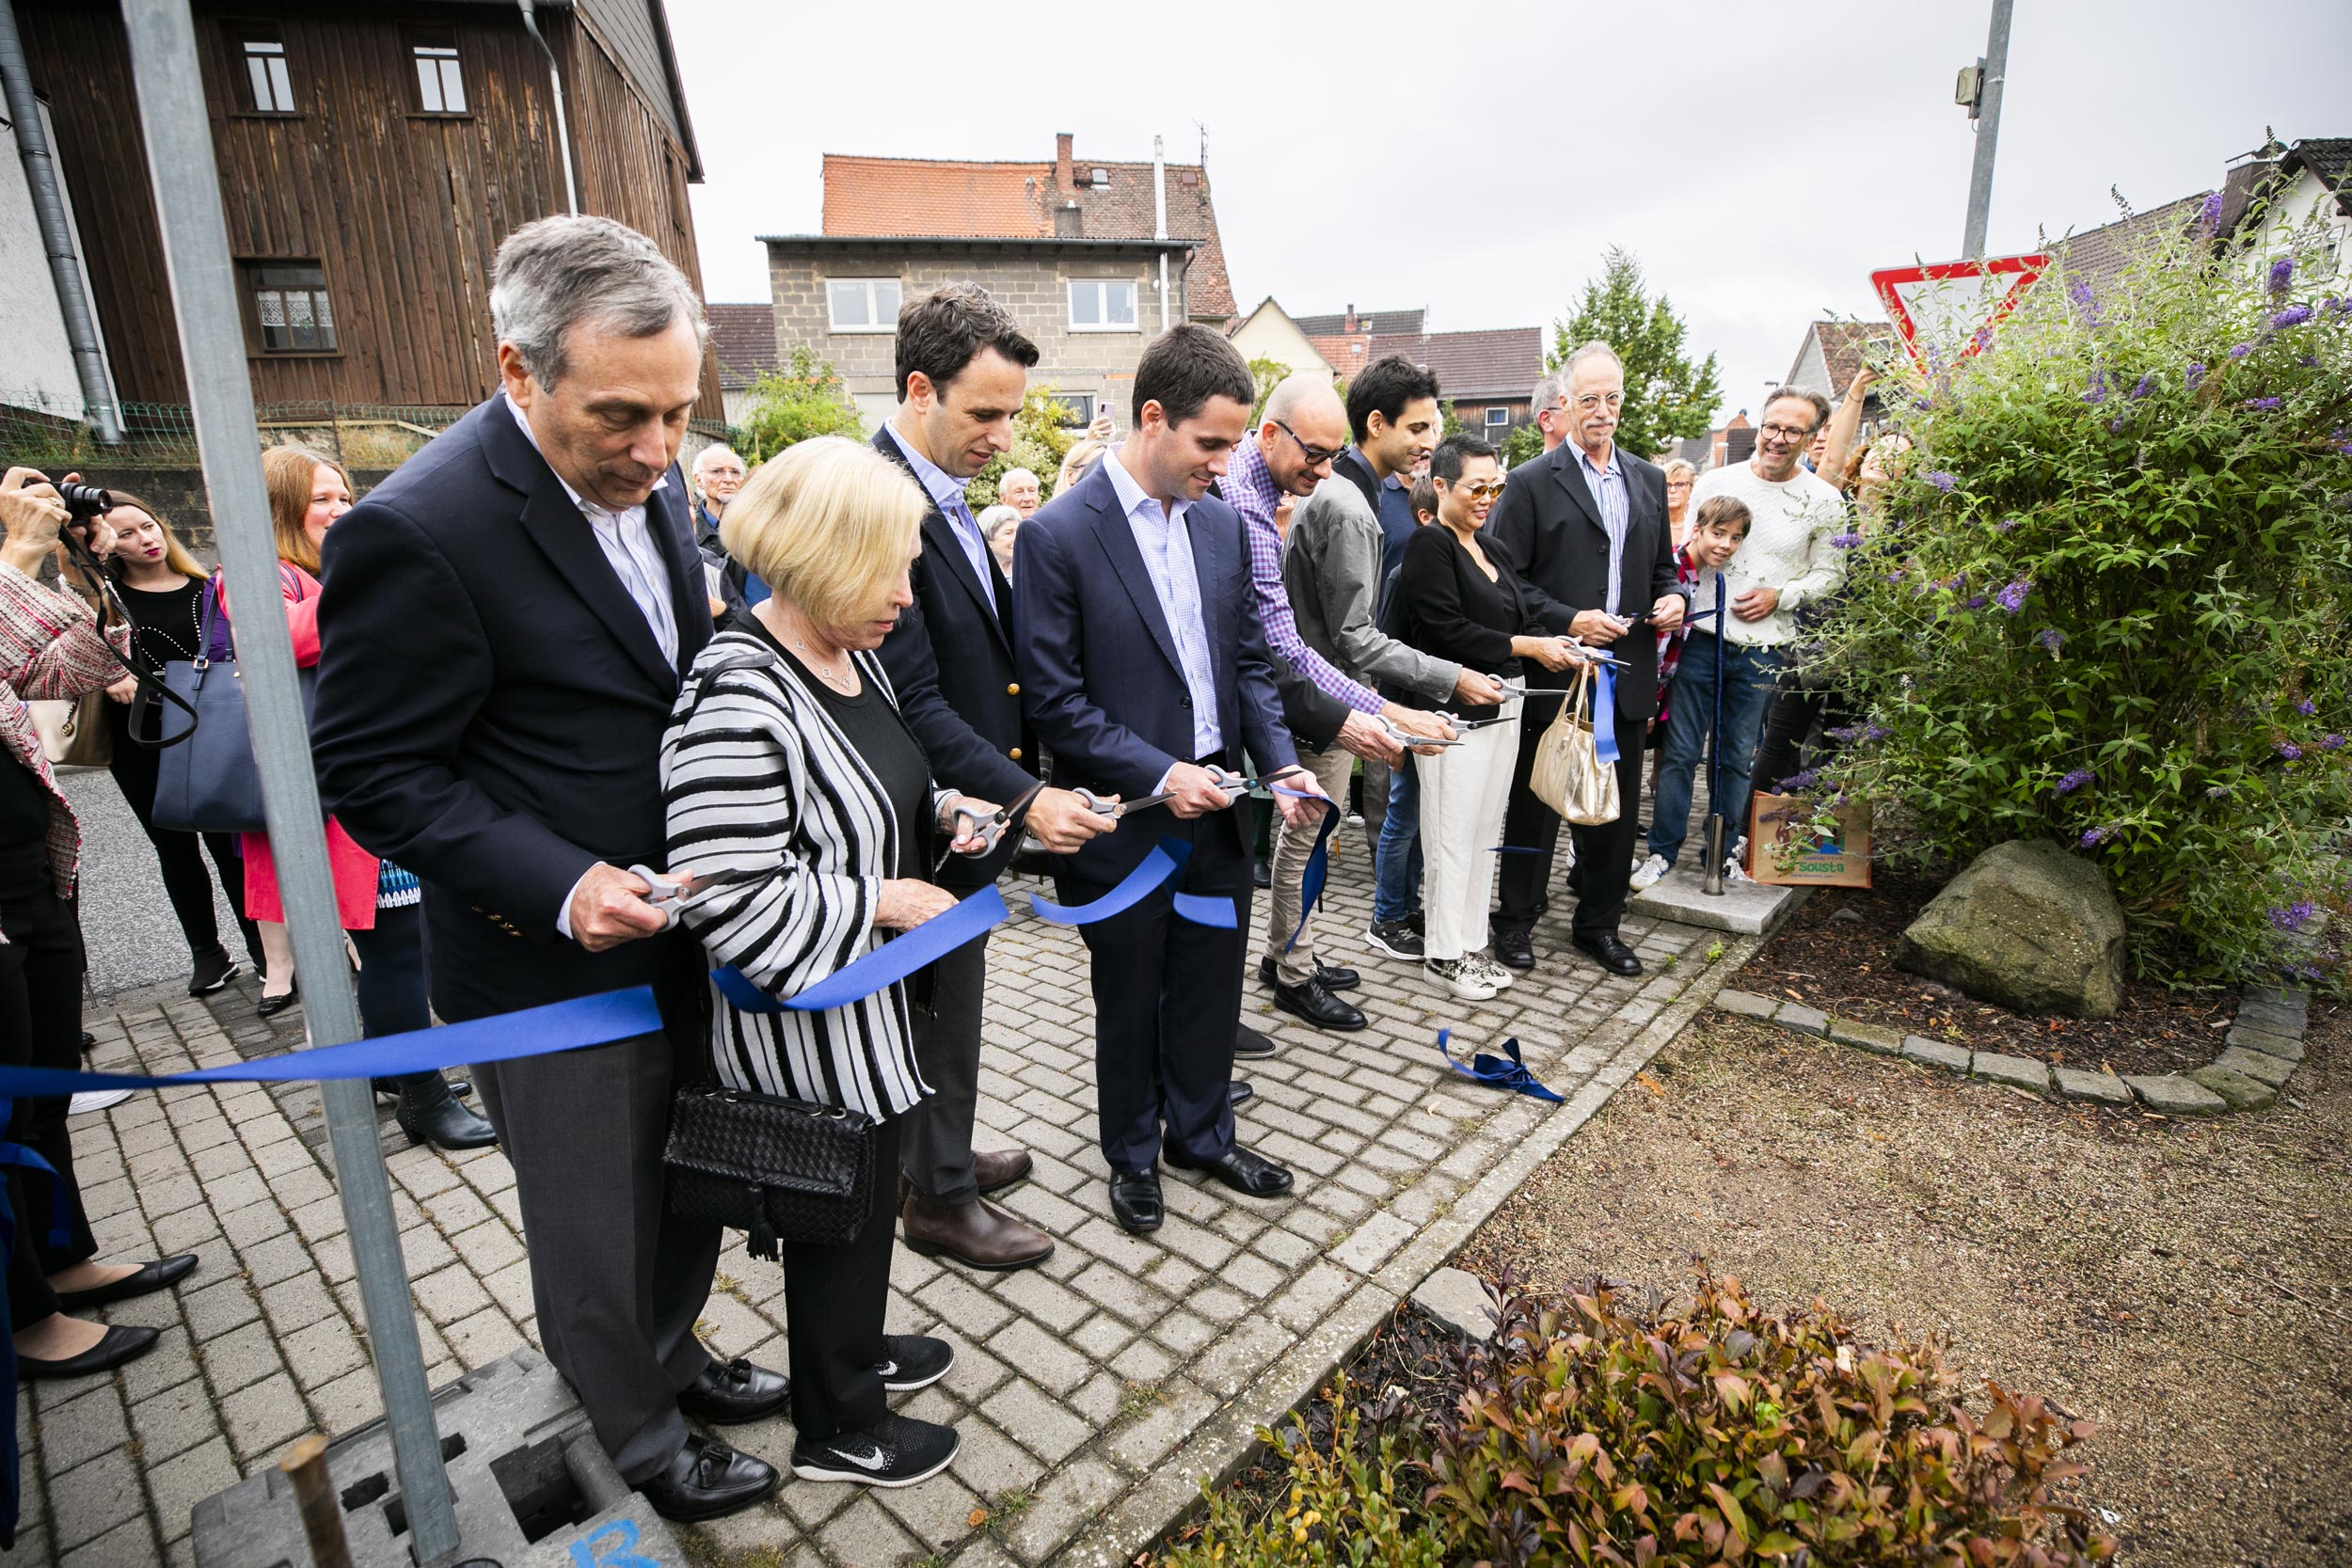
pixel 780 1170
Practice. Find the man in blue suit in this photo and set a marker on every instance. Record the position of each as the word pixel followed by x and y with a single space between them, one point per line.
pixel 1144 671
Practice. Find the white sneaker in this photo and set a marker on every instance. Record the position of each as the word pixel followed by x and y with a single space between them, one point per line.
pixel 1735 872
pixel 1651 872
pixel 1488 970
pixel 1457 977
pixel 96 1100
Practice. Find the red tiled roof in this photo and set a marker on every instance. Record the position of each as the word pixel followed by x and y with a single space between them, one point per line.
pixel 1017 200
pixel 743 340
pixel 1344 354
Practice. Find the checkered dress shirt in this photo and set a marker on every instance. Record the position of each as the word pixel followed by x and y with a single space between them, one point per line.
pixel 1255 496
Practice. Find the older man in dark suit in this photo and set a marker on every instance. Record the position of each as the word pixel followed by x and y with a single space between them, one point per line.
pixel 502 631
pixel 1144 669
pixel 1586 525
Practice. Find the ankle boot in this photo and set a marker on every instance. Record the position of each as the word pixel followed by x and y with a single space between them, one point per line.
pixel 976 1234
pixel 430 1114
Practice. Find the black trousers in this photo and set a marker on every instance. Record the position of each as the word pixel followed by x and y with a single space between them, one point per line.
pixel 834 1301
pixel 390 983
pixel 181 856
pixel 1792 716
pixel 935 1149
pixel 1166 1003
pixel 1604 855
pixel 40 1025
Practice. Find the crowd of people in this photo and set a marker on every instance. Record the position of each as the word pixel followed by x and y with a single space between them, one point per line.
pixel 832 703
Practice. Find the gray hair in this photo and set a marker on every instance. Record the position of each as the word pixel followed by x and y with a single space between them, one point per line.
pixel 712 453
pixel 559 273
pixel 1594 350
pixel 993 520
pixel 1023 472
pixel 1549 391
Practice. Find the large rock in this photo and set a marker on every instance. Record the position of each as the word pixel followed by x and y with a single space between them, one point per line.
pixel 2028 927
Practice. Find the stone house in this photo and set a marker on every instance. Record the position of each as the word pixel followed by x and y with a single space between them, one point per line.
pixel 1093 258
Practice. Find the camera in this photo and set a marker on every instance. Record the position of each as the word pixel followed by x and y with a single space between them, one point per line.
pixel 84 501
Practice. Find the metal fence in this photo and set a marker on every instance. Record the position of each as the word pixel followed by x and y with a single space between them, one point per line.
pixel 37 429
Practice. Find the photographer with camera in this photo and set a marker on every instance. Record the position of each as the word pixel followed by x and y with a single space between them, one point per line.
pixel 51 646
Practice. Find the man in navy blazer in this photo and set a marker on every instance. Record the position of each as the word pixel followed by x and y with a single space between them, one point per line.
pixel 1145 672
pixel 501 632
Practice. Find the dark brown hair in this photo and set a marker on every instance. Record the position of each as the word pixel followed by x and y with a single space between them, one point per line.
pixel 1819 404
pixel 946 330
pixel 1185 366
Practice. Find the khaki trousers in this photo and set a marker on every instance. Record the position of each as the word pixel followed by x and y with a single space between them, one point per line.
pixel 1292 845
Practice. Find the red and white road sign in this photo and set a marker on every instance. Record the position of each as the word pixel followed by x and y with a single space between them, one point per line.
pixel 1943 311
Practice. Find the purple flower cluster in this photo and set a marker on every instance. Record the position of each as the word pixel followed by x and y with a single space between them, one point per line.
pixel 2013 598
pixel 1845 541
pixel 2093 837
pixel 2051 638
pixel 2331 742
pixel 2264 403
pixel 1943 481
pixel 2306 707
pixel 2241 351
pixel 2294 315
pixel 1976 601
pixel 1804 781
pixel 2209 215
pixel 2288 750
pixel 2214 792
pixel 2282 274
pixel 2006 525
pixel 2146 385
pixel 1880 731
pixel 2115 426
pixel 2292 917
pixel 2097 391
pixel 2196 375
pixel 2075 781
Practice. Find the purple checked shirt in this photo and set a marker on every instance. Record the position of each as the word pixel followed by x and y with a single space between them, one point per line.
pixel 1253 493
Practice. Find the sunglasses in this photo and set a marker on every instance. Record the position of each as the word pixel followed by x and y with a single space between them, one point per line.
pixel 1485 489
pixel 1316 456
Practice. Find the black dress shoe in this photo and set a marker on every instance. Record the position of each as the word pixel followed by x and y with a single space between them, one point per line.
pixel 1330 976
pixel 728 1393
pixel 1135 1200
pixel 1239 1090
pixel 1249 1042
pixel 121 1344
pixel 270 1007
pixel 1610 954
pixel 706 1478
pixel 1250 1175
pixel 1261 874
pixel 1318 1006
pixel 1513 950
pixel 429 1113
pixel 160 1275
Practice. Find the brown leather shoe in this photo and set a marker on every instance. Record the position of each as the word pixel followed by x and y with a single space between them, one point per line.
pixel 997 1169
pixel 974 1234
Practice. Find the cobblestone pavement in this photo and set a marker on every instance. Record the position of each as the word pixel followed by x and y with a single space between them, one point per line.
pixel 1092 1394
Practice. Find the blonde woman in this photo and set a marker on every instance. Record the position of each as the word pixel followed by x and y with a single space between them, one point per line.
pixel 786 755
pixel 1680 476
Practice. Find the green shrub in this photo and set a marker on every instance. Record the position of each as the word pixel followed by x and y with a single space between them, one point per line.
pixel 788 405
pixel 1708 1432
pixel 1041 438
pixel 1339 1509
pixel 2109 602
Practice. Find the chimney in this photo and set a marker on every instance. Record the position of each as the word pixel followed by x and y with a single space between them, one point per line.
pixel 1063 180
pixel 1069 223
pixel 1347 322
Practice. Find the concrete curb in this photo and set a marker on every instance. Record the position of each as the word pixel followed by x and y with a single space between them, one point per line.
pixel 1228 1441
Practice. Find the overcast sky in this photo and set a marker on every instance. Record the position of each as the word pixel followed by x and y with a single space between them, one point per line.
pixel 1477 162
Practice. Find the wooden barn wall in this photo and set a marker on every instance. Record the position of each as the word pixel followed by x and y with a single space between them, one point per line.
pixel 404 211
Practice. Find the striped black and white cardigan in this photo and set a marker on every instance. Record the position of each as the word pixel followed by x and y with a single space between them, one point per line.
pixel 756 775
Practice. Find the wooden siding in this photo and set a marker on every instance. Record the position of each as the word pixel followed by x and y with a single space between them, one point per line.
pixel 404 210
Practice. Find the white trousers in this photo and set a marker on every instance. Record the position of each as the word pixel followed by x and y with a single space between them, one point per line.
pixel 1464 790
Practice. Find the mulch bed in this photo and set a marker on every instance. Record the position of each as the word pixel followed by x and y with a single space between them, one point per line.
pixel 1838 953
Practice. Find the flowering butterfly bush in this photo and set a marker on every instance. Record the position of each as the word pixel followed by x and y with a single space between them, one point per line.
pixel 2158 465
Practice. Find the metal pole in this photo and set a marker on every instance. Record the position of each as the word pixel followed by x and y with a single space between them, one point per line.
pixel 203 289
pixel 56 235
pixel 1713 882
pixel 1988 131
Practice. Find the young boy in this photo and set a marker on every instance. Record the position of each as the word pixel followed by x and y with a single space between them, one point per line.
pixel 1717 531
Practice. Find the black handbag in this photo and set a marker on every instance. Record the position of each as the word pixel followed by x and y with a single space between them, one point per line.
pixel 208 782
pixel 779 1170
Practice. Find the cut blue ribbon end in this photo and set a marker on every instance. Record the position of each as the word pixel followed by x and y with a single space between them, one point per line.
pixel 1605 718
pixel 1495 1072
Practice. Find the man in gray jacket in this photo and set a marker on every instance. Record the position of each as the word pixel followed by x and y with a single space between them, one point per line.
pixel 1331 565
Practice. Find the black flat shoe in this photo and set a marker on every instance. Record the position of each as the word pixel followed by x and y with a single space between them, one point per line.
pixel 1609 953
pixel 1239 1090
pixel 1513 950
pixel 1135 1202
pixel 705 1480
pixel 1330 975
pixel 728 1393
pixel 270 1007
pixel 161 1275
pixel 1249 1042
pixel 1250 1175
pixel 1318 1006
pixel 123 1343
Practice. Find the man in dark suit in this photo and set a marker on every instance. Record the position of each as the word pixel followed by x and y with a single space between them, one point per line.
pixel 501 632
pixel 1144 669
pixel 963 367
pixel 1586 525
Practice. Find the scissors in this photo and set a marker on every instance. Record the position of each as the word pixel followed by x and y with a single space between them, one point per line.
pixel 1232 783
pixel 1414 742
pixel 987 826
pixel 675 896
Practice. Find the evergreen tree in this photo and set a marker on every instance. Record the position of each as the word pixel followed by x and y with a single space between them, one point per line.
pixel 1667 398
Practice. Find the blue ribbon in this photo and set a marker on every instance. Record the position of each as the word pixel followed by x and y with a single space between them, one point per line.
pixel 615 1015
pixel 1605 718
pixel 1318 868
pixel 1495 1072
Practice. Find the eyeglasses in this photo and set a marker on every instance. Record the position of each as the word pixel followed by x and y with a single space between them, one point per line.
pixel 1592 401
pixel 1484 489
pixel 1678 484
pixel 1316 456
pixel 1785 433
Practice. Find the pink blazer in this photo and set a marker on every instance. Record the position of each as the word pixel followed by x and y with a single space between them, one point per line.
pixel 354 869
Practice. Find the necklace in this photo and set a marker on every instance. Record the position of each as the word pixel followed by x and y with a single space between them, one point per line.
pixel 150 637
pixel 842 681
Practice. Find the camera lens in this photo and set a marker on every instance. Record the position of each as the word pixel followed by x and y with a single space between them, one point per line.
pixel 85 501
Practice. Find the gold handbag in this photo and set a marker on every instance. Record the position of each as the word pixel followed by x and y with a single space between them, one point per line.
pixel 1568 775
pixel 74 731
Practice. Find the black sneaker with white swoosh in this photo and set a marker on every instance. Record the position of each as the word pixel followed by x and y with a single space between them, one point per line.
pixel 897 1451
pixel 912 1361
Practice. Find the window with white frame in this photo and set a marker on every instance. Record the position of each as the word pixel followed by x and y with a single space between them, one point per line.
pixel 269 90
pixel 290 311
pixel 440 75
pixel 1101 304
pixel 1497 415
pixel 863 304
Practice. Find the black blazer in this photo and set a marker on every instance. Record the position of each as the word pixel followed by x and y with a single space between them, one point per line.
pixel 950 658
pixel 491 704
pixel 1549 525
pixel 1443 604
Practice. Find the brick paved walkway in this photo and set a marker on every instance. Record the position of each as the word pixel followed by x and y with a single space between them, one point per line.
pixel 1092 1394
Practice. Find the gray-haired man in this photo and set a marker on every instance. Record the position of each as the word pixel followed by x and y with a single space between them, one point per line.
pixel 502 631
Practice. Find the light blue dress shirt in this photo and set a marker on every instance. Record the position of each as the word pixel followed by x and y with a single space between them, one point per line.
pixel 1609 494
pixel 947 493
pixel 1165 542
